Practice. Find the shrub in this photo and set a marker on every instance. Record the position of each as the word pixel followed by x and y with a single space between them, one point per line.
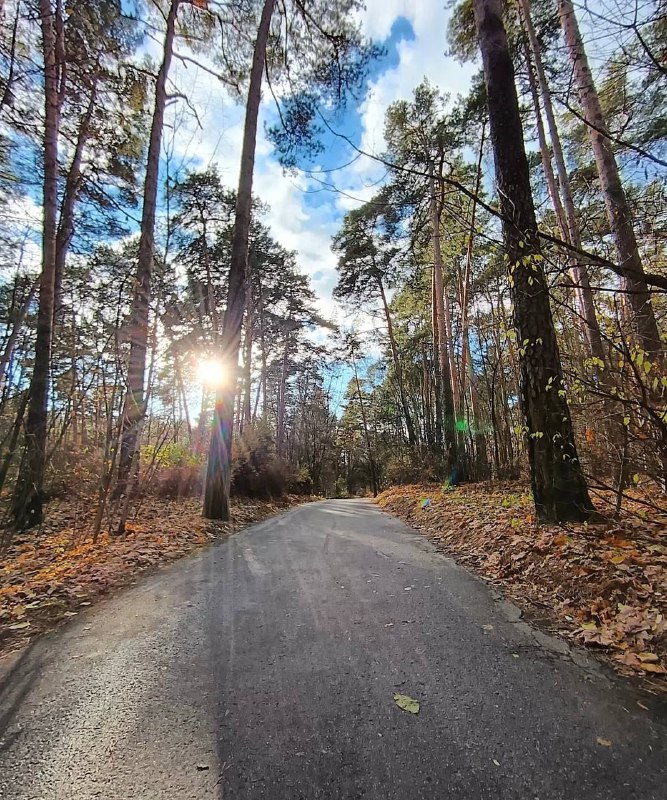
pixel 256 469
pixel 173 470
pixel 72 472
pixel 415 466
pixel 301 482
pixel 179 481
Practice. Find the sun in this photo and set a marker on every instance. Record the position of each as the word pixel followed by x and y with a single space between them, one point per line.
pixel 211 372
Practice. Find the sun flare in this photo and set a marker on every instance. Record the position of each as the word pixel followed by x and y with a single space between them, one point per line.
pixel 210 372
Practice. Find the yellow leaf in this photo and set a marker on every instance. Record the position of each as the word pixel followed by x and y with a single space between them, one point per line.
pixel 588 626
pixel 604 742
pixel 406 703
pixel 647 658
pixel 655 668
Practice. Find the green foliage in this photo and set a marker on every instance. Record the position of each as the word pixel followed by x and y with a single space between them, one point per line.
pixel 171 454
pixel 325 58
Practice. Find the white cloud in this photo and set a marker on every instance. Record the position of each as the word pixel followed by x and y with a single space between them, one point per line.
pixel 419 58
pixel 216 138
pixel 294 222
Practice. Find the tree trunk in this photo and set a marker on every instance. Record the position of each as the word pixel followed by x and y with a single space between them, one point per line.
pixel 439 332
pixel 437 376
pixel 465 283
pixel 481 463
pixel 481 466
pixel 135 405
pixel 183 398
pixel 70 196
pixel 210 293
pixel 616 204
pixel 246 410
pixel 262 387
pixel 559 489
pixel 218 471
pixel 364 422
pixel 17 323
pixel 564 210
pixel 398 369
pixel 13 439
pixel 449 344
pixel 28 493
pixel 281 403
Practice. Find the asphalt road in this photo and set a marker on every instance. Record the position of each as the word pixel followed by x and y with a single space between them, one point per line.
pixel 264 667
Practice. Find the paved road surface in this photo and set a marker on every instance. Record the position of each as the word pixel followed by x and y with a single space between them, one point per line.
pixel 264 667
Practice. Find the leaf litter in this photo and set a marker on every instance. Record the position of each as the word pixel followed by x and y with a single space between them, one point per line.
pixel 46 575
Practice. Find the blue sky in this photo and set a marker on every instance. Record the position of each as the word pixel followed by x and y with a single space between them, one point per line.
pixel 303 215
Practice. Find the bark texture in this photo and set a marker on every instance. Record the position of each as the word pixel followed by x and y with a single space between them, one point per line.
pixel 616 203
pixel 27 505
pixel 559 489
pixel 134 406
pixel 218 470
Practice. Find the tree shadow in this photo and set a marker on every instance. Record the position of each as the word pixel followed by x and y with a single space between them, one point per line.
pixel 14 687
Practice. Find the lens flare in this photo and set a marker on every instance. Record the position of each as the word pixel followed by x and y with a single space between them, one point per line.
pixel 211 373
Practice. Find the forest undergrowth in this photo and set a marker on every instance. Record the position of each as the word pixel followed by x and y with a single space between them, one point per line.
pixel 602 586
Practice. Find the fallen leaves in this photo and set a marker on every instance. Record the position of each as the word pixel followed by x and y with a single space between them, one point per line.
pixel 406 703
pixel 656 669
pixel 603 742
pixel 48 575
pixel 602 586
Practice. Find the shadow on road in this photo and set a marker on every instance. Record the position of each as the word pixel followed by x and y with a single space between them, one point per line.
pixel 14 687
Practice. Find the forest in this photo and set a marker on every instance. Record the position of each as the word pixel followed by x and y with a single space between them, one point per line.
pixel 498 315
